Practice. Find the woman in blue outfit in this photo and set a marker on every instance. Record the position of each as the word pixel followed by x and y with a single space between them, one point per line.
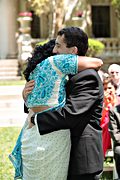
pixel 46 157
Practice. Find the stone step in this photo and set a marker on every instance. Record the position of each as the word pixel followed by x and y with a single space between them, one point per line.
pixel 11 106
pixel 12 116
pixel 4 99
pixel 8 60
pixel 2 78
pixel 9 69
pixel 7 63
pixel 11 90
pixel 9 73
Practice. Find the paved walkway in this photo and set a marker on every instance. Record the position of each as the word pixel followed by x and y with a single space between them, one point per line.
pixel 11 106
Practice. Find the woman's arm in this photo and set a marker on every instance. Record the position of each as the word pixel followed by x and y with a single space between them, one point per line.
pixel 89 62
pixel 72 64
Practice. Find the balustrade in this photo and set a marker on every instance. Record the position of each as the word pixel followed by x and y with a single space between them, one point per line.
pixel 112 47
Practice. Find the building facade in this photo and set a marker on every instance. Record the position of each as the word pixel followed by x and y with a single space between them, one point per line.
pixel 96 17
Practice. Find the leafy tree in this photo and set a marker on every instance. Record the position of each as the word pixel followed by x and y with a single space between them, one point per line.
pixel 59 10
pixel 52 9
pixel 116 4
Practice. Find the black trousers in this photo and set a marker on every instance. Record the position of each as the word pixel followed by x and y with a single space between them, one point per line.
pixel 117 162
pixel 94 176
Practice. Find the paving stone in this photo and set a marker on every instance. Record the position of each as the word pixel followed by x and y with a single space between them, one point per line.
pixel 11 106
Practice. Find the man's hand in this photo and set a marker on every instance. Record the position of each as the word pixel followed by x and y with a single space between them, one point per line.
pixel 30 124
pixel 28 89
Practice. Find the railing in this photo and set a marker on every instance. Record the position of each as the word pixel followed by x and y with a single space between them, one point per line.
pixel 112 47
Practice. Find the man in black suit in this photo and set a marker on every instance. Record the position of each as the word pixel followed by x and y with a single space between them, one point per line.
pixel 114 128
pixel 82 112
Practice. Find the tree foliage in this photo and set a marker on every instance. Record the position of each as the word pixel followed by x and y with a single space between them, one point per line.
pixel 51 8
pixel 40 6
pixel 58 10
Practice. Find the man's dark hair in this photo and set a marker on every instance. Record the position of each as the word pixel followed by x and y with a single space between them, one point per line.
pixel 40 53
pixel 74 36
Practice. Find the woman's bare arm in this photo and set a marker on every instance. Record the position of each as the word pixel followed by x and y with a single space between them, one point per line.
pixel 85 62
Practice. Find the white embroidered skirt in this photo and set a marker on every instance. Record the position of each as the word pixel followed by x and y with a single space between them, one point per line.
pixel 45 157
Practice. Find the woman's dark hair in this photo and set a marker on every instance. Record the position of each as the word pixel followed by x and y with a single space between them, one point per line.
pixel 41 52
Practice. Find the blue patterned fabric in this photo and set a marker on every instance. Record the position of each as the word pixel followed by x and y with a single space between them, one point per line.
pixel 15 158
pixel 67 64
pixel 50 79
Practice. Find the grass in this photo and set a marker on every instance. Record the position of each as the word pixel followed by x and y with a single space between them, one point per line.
pixel 8 137
pixel 12 82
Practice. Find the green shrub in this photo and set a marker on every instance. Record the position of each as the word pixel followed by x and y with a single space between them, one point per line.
pixel 95 48
pixel 43 42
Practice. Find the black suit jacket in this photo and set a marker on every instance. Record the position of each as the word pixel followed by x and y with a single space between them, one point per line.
pixel 81 114
pixel 114 125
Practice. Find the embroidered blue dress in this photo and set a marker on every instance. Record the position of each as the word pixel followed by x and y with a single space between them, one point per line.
pixel 47 156
pixel 50 79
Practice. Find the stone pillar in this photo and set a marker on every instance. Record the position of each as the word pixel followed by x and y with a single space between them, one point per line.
pixel 44 26
pixel 8 47
pixel 24 40
pixel 118 27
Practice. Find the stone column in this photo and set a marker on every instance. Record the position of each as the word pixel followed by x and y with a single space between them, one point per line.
pixel 8 11
pixel 118 27
pixel 44 29
pixel 24 40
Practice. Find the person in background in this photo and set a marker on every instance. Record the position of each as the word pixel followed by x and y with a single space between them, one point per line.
pixel 110 101
pixel 101 74
pixel 114 72
pixel 81 113
pixel 48 155
pixel 114 128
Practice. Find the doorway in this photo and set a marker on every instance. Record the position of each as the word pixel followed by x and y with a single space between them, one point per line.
pixel 101 21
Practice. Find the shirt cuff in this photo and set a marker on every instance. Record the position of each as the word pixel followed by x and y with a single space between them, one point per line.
pixel 35 119
pixel 36 124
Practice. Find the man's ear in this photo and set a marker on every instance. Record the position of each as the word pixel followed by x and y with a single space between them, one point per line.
pixel 74 50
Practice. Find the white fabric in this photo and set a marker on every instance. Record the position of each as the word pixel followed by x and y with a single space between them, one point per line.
pixel 45 157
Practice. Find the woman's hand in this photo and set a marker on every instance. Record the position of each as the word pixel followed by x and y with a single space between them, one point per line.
pixel 108 99
pixel 28 89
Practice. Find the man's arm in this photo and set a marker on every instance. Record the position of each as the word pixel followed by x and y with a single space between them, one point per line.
pixel 84 92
